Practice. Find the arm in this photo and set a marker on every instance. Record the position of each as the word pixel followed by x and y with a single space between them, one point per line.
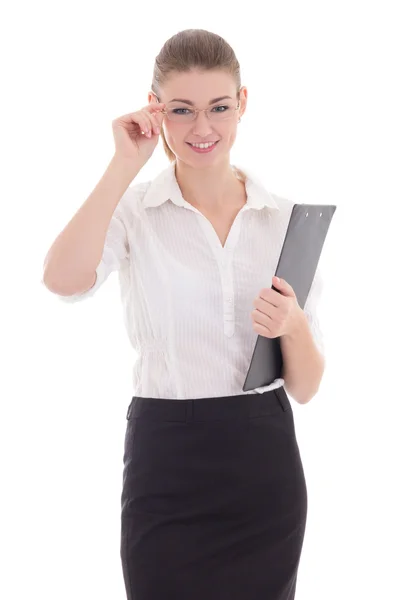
pixel 278 314
pixel 303 364
pixel 71 262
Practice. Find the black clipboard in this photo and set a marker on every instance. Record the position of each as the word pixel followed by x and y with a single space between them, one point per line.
pixel 298 261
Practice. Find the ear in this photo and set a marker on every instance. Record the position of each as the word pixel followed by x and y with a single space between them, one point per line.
pixel 243 100
pixel 152 98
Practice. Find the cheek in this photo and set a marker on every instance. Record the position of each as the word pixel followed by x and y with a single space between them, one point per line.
pixel 229 132
pixel 176 135
pixel 173 134
pixel 230 137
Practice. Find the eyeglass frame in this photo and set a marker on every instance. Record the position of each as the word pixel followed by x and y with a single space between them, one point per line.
pixel 196 110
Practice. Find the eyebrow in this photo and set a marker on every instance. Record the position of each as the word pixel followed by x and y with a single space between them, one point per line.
pixel 211 101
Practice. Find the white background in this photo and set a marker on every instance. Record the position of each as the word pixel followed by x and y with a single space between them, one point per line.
pixel 322 126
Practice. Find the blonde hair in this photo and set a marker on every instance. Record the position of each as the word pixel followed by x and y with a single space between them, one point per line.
pixel 193 49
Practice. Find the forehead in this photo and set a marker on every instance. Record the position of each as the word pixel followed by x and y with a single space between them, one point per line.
pixel 199 86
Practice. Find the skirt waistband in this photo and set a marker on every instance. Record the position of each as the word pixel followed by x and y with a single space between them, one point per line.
pixel 209 409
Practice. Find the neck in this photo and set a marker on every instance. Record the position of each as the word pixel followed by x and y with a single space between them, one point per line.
pixel 211 188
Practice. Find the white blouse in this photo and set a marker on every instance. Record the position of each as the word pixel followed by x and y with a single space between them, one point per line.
pixel 187 299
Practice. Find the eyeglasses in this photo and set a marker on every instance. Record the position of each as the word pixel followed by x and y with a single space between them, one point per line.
pixel 219 112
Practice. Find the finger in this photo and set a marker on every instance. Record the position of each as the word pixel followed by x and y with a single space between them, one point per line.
pixel 154 109
pixel 282 286
pixel 151 125
pixel 265 307
pixel 137 118
pixel 156 123
pixel 271 296
pixel 157 116
pixel 261 318
pixel 261 330
pixel 147 128
pixel 155 106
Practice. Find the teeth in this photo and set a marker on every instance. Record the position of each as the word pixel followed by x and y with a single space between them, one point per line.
pixel 203 145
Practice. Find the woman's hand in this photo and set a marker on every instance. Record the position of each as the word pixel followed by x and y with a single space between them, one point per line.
pixel 276 313
pixel 136 134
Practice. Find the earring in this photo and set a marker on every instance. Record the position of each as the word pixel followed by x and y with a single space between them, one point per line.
pixel 240 118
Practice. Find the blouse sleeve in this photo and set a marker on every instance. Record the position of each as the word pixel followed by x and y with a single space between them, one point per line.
pixel 115 255
pixel 311 310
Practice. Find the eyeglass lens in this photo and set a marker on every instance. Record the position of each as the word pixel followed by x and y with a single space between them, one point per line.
pixel 214 113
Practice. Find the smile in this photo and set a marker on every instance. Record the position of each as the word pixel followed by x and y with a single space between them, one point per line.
pixel 203 147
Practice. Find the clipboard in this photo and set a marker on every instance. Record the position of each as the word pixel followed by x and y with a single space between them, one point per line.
pixel 298 261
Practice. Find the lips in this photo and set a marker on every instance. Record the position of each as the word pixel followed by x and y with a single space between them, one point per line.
pixel 211 142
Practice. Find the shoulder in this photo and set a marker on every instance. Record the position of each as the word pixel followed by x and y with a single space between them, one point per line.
pixel 281 217
pixel 284 204
pixel 131 201
pixel 135 193
pixel 258 188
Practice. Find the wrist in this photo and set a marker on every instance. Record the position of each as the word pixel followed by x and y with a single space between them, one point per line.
pixel 125 166
pixel 298 323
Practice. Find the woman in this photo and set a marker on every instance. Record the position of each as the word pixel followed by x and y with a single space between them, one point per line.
pixel 214 499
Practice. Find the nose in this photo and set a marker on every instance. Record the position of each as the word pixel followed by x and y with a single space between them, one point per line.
pixel 202 125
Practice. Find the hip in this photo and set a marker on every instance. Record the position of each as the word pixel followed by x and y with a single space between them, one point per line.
pixel 221 448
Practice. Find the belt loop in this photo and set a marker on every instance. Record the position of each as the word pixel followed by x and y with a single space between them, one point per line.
pixel 189 410
pixel 128 414
pixel 278 395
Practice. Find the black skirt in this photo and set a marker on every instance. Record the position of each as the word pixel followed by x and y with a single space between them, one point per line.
pixel 214 499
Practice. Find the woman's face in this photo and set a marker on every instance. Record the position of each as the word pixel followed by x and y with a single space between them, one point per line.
pixel 200 89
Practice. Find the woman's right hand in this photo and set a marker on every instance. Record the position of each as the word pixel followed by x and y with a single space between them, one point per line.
pixel 130 142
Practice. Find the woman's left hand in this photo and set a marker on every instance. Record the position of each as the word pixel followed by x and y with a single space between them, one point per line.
pixel 276 313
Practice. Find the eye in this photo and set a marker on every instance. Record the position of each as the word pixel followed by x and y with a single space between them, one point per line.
pixel 175 111
pixel 221 106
